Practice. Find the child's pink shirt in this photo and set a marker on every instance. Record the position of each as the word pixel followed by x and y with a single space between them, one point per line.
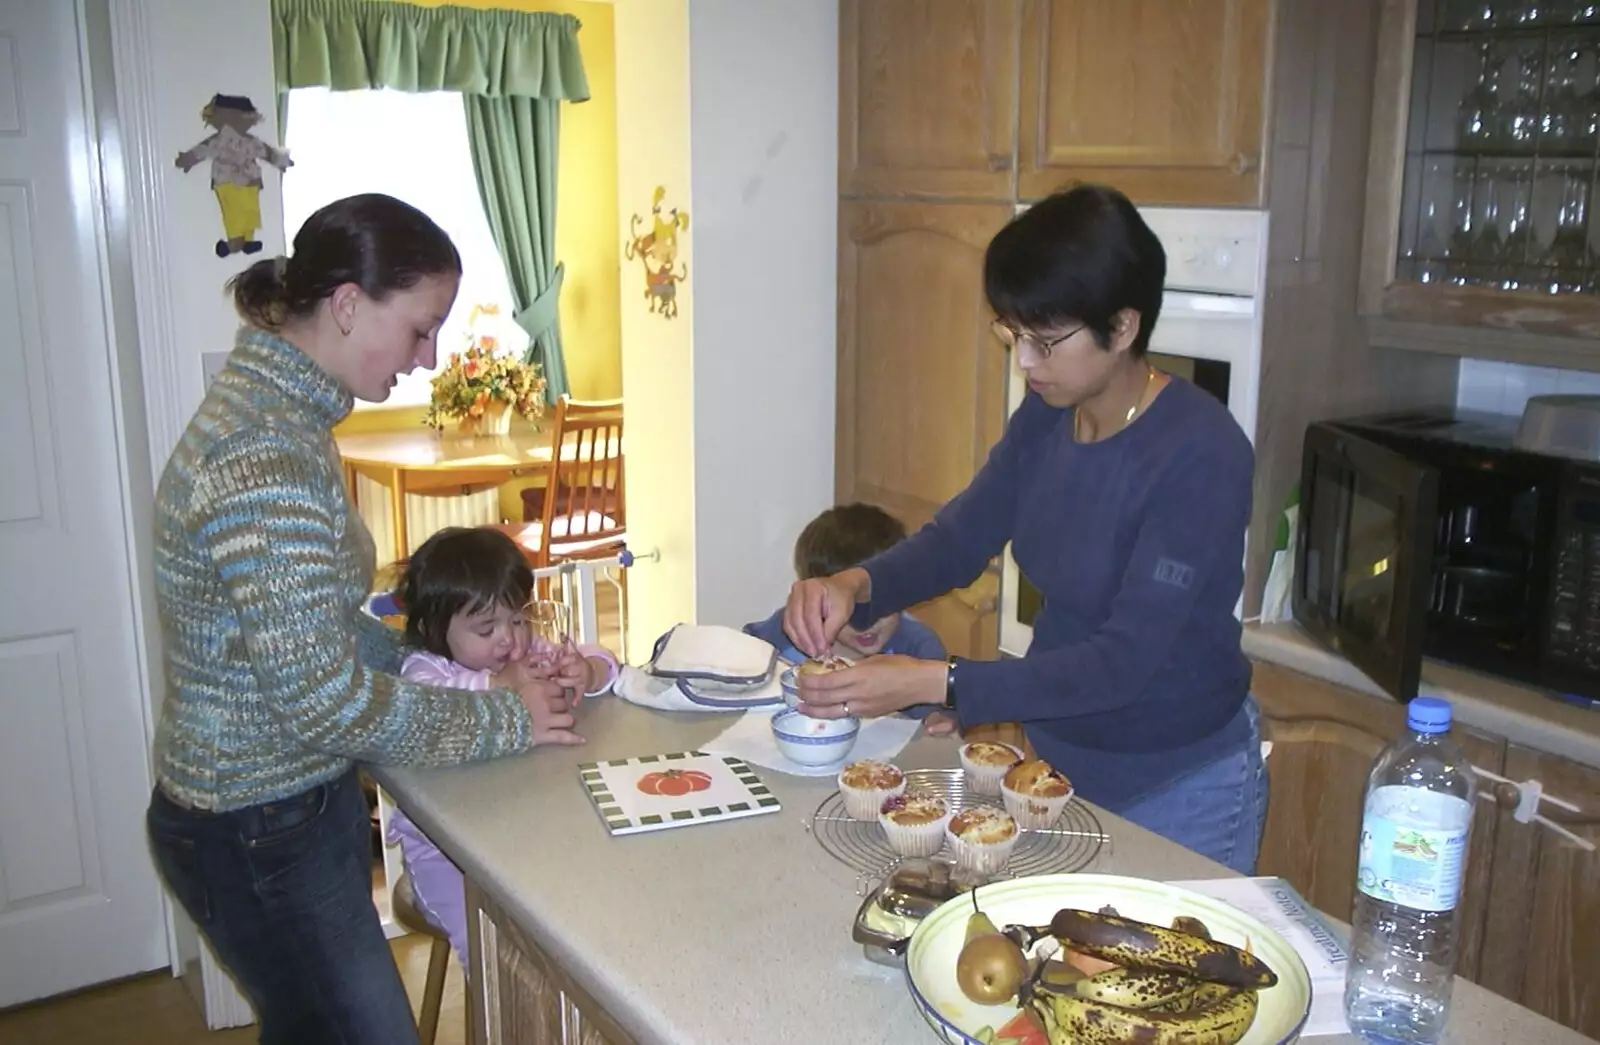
pixel 435 881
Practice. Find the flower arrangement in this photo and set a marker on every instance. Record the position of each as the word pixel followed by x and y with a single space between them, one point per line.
pixel 480 387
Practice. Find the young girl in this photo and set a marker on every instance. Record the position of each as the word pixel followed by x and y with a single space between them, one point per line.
pixel 464 592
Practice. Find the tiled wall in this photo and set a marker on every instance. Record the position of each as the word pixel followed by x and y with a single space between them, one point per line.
pixel 1504 388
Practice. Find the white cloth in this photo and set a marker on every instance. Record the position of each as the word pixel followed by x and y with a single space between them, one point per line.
pixel 714 651
pixel 751 739
pixel 650 691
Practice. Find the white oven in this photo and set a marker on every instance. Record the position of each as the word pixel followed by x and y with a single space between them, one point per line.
pixel 1209 333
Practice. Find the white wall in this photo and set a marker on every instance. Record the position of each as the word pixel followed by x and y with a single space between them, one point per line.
pixel 1504 388
pixel 193 49
pixel 764 134
pixel 732 106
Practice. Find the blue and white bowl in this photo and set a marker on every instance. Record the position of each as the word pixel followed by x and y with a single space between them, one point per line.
pixel 791 692
pixel 811 741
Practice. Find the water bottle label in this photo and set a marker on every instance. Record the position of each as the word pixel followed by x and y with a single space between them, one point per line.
pixel 1413 848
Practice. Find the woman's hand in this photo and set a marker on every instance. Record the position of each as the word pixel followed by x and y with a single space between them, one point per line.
pixel 819 608
pixel 874 687
pixel 547 706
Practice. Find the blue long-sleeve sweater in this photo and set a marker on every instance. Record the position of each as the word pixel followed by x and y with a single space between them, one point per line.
pixel 1135 676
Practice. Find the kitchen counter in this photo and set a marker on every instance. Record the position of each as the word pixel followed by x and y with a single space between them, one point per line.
pixel 733 932
pixel 1521 714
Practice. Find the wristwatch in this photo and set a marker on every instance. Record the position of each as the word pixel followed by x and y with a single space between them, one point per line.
pixel 950 684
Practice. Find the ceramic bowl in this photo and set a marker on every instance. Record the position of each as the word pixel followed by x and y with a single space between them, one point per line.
pixel 791 693
pixel 814 741
pixel 931 955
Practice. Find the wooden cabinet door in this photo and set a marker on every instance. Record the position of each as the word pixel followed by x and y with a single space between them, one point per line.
pixel 927 97
pixel 517 993
pixel 1541 949
pixel 1159 98
pixel 1324 740
pixel 921 378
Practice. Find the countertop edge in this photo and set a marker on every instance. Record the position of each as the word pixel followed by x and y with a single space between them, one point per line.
pixel 1520 714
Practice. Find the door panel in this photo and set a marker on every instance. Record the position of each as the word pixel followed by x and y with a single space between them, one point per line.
pixel 79 901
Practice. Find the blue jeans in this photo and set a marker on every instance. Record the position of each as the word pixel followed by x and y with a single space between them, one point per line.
pixel 1218 810
pixel 283 893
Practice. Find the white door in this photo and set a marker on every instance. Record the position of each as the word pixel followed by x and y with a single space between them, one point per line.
pixel 79 899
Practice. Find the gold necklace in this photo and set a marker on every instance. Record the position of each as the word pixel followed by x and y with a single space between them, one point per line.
pixel 1077 414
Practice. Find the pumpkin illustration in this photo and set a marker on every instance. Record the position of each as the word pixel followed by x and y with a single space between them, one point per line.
pixel 674 782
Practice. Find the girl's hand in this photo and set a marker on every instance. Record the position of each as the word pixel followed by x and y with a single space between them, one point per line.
pixel 552 721
pixel 819 608
pixel 521 671
pixel 873 687
pixel 572 673
pixel 941 724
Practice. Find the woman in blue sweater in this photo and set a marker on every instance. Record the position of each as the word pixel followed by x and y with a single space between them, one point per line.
pixel 1125 495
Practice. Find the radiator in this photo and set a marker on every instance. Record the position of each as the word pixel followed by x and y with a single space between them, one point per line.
pixel 426 514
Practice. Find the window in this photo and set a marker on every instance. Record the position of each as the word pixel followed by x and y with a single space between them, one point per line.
pixel 413 147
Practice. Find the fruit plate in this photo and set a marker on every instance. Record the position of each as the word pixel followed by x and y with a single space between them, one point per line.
pixel 931 955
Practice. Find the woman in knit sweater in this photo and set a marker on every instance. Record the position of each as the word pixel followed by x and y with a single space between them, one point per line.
pixel 278 683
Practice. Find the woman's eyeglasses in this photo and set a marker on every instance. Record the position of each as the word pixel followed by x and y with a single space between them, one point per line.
pixel 1016 339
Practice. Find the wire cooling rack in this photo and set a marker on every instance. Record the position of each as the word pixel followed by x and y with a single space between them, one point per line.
pixel 1071 844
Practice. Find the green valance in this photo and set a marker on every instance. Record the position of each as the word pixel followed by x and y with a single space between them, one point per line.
pixel 353 45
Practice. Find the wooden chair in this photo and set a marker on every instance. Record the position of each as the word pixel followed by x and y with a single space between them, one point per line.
pixel 582 510
pixel 403 902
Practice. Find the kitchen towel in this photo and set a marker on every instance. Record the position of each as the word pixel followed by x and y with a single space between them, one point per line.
pixel 751 739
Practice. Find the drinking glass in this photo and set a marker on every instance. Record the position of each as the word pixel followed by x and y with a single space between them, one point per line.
pixel 1478 115
pixel 1561 124
pixel 1469 15
pixel 1513 188
pixel 1463 224
pixel 1519 114
pixel 1569 252
pixel 550 624
pixel 1487 246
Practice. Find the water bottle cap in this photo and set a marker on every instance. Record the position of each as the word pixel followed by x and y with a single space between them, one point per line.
pixel 1428 715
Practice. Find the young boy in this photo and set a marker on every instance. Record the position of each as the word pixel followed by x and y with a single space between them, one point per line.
pixel 841 537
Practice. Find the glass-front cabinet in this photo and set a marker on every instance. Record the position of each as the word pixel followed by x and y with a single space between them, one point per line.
pixel 1482 181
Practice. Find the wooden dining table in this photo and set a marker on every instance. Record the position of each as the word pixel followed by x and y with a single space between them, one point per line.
pixel 427 461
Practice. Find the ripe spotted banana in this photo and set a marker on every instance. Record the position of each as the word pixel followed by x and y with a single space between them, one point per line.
pixel 1138 990
pixel 1070 1020
pixel 1139 945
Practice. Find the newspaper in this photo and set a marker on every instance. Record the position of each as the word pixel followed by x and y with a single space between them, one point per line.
pixel 1320 945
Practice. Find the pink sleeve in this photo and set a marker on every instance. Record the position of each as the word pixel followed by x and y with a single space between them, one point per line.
pixel 601 653
pixel 430 669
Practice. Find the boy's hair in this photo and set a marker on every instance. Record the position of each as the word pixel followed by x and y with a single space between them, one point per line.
pixel 460 569
pixel 844 536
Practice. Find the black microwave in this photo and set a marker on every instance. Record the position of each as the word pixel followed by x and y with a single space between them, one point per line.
pixel 1430 534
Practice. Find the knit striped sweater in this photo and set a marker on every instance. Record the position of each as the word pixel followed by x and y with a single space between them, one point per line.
pixel 277 680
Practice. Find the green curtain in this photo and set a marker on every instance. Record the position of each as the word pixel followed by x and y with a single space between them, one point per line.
pixel 352 45
pixel 513 68
pixel 514 145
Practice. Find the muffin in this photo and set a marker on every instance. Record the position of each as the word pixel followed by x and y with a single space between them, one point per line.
pixel 982 838
pixel 914 823
pixel 866 785
pixel 1034 793
pixel 821 666
pixel 985 762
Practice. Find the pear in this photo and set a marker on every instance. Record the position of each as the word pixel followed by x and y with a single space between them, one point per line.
pixel 990 968
pixel 978 925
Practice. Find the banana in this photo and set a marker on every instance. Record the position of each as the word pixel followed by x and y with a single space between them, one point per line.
pixel 1139 945
pixel 1138 990
pixel 1070 1020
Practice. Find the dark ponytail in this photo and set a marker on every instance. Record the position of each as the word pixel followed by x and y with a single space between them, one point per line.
pixel 377 242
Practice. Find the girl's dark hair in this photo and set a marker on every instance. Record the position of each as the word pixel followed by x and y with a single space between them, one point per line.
pixel 1082 254
pixel 374 241
pixel 844 536
pixel 460 569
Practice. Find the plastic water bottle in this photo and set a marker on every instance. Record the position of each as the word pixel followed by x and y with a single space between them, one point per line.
pixel 1415 829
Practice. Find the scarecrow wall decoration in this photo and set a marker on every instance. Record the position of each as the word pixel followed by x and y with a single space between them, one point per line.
pixel 657 250
pixel 235 156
